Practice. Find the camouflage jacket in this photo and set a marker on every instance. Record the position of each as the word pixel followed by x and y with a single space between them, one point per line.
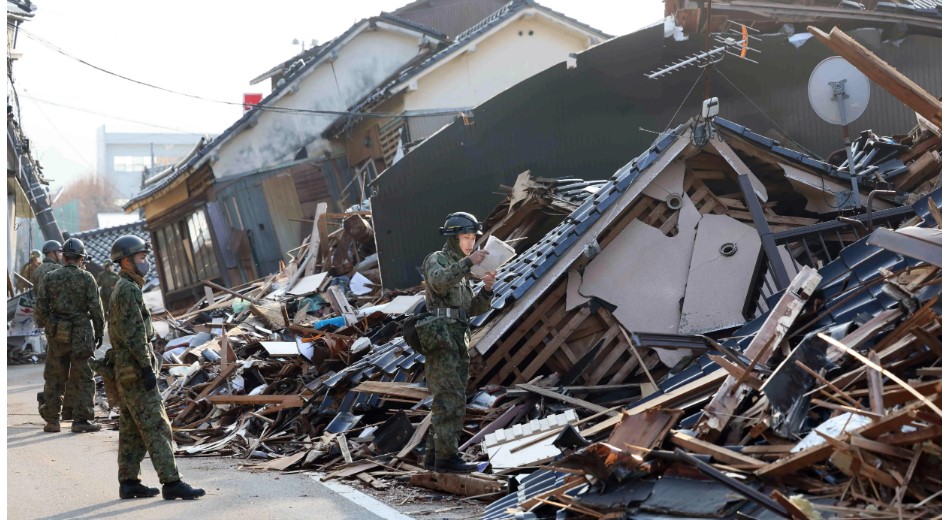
pixel 69 294
pixel 26 272
pixel 107 281
pixel 447 284
pixel 44 268
pixel 129 324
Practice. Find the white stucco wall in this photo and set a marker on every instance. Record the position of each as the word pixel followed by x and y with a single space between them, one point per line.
pixel 497 62
pixel 365 61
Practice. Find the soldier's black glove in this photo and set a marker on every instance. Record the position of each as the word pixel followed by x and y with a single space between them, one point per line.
pixel 148 378
pixel 98 340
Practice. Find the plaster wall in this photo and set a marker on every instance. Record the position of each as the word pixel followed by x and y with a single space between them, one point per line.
pixel 368 58
pixel 496 63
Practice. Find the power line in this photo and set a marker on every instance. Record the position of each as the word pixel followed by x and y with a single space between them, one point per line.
pixel 267 108
pixel 78 109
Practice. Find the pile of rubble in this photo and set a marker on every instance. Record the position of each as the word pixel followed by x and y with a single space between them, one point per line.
pixel 714 331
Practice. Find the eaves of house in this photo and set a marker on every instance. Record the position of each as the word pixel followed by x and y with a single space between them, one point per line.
pixel 324 54
pixel 414 71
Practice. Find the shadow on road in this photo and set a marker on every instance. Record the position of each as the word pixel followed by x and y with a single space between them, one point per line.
pixel 113 508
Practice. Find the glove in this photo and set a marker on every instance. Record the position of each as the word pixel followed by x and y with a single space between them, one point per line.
pixel 148 378
pixel 98 340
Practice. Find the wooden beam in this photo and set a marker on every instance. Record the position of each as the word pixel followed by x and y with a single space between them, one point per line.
pixel 568 400
pixel 691 443
pixel 216 383
pixel 314 246
pixel 286 401
pixel 718 413
pixel 881 73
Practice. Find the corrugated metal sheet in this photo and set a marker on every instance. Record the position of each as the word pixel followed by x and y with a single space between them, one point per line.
pixel 585 122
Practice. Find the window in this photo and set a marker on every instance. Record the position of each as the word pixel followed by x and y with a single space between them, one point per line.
pixel 186 251
pixel 131 163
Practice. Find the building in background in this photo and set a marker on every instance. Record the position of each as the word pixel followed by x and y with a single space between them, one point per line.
pixel 123 157
pixel 27 192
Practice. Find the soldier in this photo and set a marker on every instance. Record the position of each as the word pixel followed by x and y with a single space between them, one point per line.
pixel 26 273
pixel 106 281
pixel 68 307
pixel 444 335
pixel 52 250
pixel 144 426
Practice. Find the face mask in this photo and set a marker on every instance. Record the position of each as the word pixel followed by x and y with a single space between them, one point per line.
pixel 142 267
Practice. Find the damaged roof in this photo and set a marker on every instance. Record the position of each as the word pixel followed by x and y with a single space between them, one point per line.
pixel 474 33
pixel 301 68
pixel 98 244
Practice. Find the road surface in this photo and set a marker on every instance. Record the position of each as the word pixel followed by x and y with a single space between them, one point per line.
pixel 74 476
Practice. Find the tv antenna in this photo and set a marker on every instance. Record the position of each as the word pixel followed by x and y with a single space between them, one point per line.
pixel 735 41
pixel 839 94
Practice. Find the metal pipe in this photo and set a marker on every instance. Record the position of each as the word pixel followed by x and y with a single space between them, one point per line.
pixel 870 205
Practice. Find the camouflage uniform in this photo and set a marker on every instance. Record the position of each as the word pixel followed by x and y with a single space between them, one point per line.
pixel 445 341
pixel 106 281
pixel 27 273
pixel 69 297
pixel 44 268
pixel 144 426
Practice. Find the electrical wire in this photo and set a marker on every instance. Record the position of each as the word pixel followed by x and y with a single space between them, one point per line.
pixel 767 116
pixel 682 103
pixel 267 108
pixel 110 116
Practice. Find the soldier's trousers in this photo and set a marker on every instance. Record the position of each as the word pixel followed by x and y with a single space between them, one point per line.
pixel 67 372
pixel 446 372
pixel 144 428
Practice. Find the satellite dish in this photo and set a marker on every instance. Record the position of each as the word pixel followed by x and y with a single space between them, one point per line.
pixel 825 84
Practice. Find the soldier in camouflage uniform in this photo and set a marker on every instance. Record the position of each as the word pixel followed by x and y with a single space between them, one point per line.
pixel 444 335
pixel 106 282
pixel 144 426
pixel 68 307
pixel 26 273
pixel 52 250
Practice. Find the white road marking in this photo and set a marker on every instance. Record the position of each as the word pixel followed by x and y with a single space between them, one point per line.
pixel 361 499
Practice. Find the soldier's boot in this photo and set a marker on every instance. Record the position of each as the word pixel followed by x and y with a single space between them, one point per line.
pixel 84 426
pixel 134 489
pixel 454 464
pixel 52 427
pixel 180 489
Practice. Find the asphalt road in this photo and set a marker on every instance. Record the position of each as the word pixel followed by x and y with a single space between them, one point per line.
pixel 74 476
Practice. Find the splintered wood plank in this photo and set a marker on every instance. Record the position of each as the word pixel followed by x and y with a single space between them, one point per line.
pixel 809 456
pixel 216 383
pixel 717 414
pixel 540 312
pixel 645 430
pixel 606 361
pixel 901 87
pixel 695 445
pixel 567 399
pixel 470 485
pixel 285 401
pixel 539 335
pixel 548 349
pixel 407 390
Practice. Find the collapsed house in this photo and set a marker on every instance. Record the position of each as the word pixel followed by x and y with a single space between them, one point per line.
pixel 576 404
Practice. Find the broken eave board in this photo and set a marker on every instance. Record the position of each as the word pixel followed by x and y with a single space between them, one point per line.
pixel 645 430
pixel 718 413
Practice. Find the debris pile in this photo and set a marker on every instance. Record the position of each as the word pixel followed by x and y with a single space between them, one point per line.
pixel 716 330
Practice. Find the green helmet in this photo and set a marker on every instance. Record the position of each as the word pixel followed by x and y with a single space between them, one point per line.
pixel 127 245
pixel 73 247
pixel 460 223
pixel 51 245
pixel 35 254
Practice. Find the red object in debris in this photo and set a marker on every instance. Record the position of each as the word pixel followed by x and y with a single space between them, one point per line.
pixel 250 100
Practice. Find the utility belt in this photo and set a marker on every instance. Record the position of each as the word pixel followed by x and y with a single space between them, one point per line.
pixel 61 327
pixel 455 314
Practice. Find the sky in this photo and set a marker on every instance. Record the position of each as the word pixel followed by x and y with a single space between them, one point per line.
pixel 208 48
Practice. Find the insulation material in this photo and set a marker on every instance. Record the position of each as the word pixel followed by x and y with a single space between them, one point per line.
pixel 724 257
